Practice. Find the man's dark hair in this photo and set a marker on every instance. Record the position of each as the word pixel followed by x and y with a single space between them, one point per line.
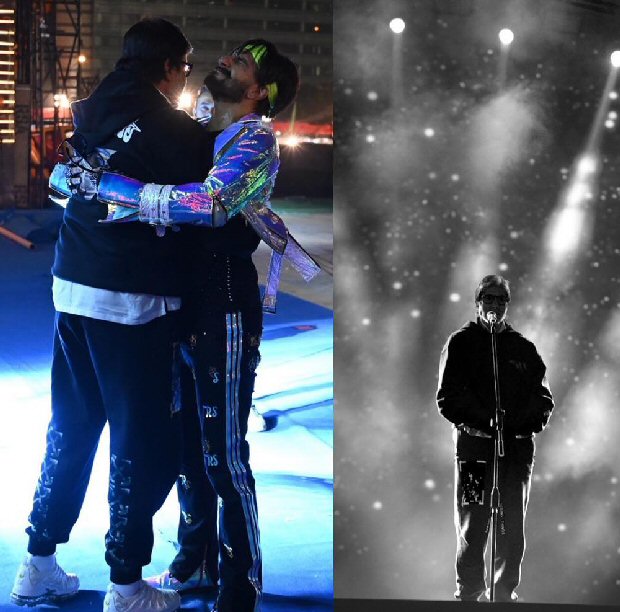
pixel 492 280
pixel 149 43
pixel 274 67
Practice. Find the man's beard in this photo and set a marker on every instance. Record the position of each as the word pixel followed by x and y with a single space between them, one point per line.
pixel 224 90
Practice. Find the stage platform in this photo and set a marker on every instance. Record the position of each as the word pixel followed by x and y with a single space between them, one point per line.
pixel 392 605
pixel 292 463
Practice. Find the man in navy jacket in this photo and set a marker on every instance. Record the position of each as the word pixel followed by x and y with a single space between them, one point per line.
pixel 115 291
pixel 466 398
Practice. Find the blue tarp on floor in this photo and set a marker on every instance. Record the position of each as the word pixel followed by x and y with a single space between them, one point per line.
pixel 292 463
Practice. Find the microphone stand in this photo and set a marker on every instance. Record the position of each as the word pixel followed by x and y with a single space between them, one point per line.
pixel 498 451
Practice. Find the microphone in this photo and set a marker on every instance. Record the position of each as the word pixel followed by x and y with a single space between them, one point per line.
pixel 491 317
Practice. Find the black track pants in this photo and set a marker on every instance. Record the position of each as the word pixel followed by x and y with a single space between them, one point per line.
pixel 197 534
pixel 121 374
pixel 224 354
pixel 473 482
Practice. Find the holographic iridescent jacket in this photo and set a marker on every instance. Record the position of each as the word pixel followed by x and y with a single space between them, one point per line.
pixel 246 162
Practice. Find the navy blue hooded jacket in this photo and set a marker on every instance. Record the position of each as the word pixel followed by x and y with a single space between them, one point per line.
pixel 153 142
pixel 466 393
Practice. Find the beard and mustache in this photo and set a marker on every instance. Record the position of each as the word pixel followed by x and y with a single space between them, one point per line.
pixel 224 89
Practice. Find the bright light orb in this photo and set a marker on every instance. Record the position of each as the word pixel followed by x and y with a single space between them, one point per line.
pixel 609 124
pixel 291 140
pixel 397 25
pixel 506 36
pixel 455 297
pixel 566 232
pixel 81 58
pixel 615 59
pixel 61 101
pixel 613 95
pixel 185 100
pixel 586 165
pixel 429 132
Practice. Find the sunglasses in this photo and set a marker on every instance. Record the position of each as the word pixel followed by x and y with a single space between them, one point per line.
pixel 187 67
pixel 500 299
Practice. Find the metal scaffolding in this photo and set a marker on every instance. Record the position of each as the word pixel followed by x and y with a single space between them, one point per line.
pixel 50 63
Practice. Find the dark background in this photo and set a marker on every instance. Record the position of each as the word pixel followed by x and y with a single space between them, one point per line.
pixel 419 219
pixel 48 40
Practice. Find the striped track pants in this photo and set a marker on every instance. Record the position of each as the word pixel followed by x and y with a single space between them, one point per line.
pixel 224 358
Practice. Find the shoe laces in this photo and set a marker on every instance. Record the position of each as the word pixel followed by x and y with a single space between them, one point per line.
pixel 150 595
pixel 55 574
pixel 59 573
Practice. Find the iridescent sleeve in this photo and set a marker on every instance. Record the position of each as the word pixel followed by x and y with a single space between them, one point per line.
pixel 243 173
pixel 246 171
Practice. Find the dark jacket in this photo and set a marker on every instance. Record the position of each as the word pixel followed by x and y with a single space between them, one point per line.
pixel 466 386
pixel 153 142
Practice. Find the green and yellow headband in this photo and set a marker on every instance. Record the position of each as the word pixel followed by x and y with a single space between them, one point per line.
pixel 258 52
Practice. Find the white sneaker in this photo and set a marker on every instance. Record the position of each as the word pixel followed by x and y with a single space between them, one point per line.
pixel 33 586
pixel 147 599
pixel 198 580
pixel 502 596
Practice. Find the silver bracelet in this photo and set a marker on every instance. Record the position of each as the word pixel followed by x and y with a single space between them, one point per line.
pixel 154 204
pixel 149 202
pixel 164 204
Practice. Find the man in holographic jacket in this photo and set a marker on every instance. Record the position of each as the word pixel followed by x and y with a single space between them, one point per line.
pixel 246 163
pixel 224 318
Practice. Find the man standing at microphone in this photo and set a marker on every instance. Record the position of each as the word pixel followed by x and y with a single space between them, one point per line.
pixel 466 398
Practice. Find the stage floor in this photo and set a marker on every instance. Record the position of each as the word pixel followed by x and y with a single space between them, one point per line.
pixel 292 463
pixel 393 605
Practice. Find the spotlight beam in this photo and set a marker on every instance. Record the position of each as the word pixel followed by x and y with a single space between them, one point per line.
pixel 569 230
pixel 506 37
pixel 594 138
pixel 397 26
